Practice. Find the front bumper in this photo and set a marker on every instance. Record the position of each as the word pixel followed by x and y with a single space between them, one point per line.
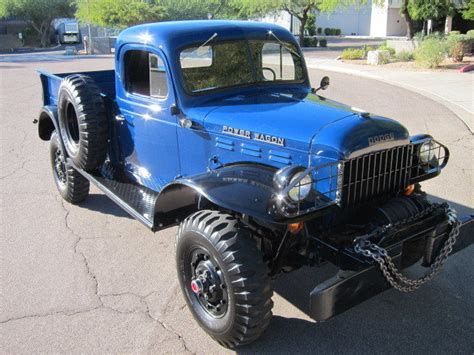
pixel 363 281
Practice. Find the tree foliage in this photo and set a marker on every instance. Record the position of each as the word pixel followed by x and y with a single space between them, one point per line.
pixel 200 9
pixel 38 13
pixel 468 11
pixel 119 13
pixel 297 8
pixel 422 10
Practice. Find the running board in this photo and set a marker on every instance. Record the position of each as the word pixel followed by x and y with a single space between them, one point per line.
pixel 138 201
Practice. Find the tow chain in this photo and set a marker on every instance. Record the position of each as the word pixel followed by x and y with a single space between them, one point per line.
pixel 400 282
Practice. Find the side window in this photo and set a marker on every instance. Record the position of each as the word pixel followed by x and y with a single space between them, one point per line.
pixel 196 57
pixel 158 81
pixel 277 62
pixel 145 74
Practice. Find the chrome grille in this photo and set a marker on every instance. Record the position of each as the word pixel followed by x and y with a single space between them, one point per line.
pixel 376 173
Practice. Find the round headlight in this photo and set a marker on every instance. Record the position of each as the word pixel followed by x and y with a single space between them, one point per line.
pixel 301 189
pixel 428 152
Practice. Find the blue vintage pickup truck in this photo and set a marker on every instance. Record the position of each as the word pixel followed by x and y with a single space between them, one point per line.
pixel 213 126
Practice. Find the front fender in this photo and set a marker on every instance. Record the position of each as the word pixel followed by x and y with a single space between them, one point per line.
pixel 242 188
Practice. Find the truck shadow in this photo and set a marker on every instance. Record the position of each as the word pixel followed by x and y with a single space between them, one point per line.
pixel 439 317
pixel 103 204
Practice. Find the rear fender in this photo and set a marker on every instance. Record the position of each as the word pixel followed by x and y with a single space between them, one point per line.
pixel 48 122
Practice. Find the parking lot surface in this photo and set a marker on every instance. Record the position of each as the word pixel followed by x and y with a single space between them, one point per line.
pixel 89 279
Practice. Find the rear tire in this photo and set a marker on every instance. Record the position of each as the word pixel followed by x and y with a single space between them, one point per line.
pixel 72 186
pixel 82 121
pixel 214 253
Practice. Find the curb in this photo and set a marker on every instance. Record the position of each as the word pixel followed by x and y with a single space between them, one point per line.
pixel 463 115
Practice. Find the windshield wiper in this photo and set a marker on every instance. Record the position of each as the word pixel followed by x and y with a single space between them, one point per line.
pixel 206 42
pixel 284 44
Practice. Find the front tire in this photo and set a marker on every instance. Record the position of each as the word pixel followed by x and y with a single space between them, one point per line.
pixel 223 278
pixel 72 186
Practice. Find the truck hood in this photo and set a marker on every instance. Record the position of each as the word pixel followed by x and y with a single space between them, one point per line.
pixel 312 124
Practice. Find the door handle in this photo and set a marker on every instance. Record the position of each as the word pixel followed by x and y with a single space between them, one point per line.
pixel 119 118
pixel 185 122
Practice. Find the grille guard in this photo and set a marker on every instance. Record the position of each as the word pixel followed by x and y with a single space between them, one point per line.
pixel 348 183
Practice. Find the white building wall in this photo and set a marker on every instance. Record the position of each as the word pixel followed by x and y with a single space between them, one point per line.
pixel 386 20
pixel 283 19
pixel 396 25
pixel 379 20
pixel 368 20
pixel 353 20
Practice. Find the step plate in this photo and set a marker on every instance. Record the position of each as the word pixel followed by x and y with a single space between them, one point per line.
pixel 138 201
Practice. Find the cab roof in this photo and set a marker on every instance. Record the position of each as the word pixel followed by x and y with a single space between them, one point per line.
pixel 174 35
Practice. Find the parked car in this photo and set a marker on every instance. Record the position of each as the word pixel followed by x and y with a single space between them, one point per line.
pixel 213 126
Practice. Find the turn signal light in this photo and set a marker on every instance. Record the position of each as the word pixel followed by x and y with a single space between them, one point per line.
pixel 409 190
pixel 295 228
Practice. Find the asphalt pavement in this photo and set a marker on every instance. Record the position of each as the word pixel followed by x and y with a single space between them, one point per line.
pixel 89 279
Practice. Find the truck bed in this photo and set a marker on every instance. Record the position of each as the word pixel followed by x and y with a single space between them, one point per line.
pixel 105 79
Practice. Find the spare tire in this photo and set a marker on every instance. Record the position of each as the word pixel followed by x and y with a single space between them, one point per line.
pixel 82 121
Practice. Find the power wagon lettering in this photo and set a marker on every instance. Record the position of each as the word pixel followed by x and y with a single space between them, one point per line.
pixel 254 135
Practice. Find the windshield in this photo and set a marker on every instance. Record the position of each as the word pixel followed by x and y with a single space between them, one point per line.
pixel 226 64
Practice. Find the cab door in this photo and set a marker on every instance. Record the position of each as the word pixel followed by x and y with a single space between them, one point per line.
pixel 147 131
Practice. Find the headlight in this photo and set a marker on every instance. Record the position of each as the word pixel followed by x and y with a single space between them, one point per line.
pixel 428 152
pixel 301 189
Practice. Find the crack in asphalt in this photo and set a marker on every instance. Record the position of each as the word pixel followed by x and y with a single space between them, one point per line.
pixel 41 315
pixel 166 326
pixel 76 251
pixel 21 167
pixel 99 296
pixel 148 314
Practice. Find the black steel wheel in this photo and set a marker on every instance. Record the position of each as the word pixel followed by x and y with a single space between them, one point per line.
pixel 223 278
pixel 72 186
pixel 82 121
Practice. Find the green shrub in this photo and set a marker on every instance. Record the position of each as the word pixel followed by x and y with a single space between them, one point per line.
pixel 310 42
pixel 327 31
pixel 431 52
pixel 385 47
pixel 320 31
pixel 454 33
pixel 470 33
pixel 368 49
pixel 420 36
pixel 458 46
pixel 404 56
pixel 323 43
pixel 338 31
pixel 353 53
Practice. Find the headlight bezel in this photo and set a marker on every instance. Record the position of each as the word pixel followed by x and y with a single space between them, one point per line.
pixel 289 178
pixel 428 153
pixel 303 186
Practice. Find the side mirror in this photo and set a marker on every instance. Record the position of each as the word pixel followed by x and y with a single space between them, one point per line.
pixel 324 83
pixel 322 86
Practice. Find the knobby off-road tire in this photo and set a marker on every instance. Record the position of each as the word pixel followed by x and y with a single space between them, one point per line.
pixel 82 121
pixel 72 186
pixel 240 307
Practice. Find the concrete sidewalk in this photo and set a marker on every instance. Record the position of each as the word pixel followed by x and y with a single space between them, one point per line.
pixel 452 89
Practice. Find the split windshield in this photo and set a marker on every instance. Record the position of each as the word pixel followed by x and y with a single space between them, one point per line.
pixel 221 65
